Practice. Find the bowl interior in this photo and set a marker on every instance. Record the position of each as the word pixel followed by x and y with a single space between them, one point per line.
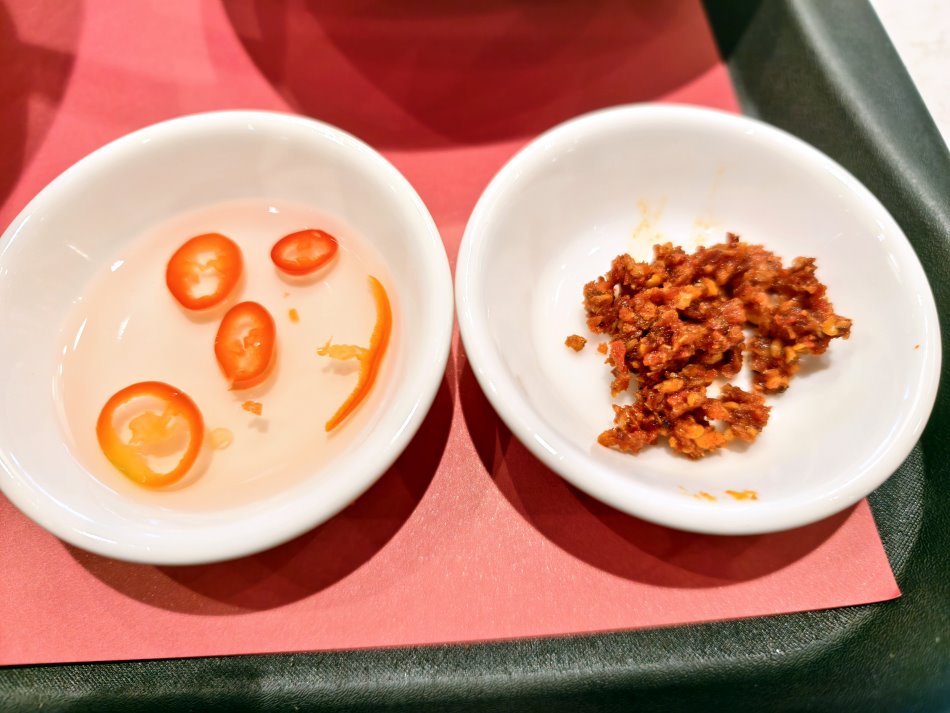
pixel 622 180
pixel 72 230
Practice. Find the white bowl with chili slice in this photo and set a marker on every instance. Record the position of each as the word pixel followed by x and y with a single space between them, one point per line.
pixel 627 179
pixel 218 332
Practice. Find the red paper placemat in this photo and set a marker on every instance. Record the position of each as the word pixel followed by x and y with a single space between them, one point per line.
pixel 467 537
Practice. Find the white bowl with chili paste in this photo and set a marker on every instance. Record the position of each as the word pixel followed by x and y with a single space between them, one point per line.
pixel 218 332
pixel 626 179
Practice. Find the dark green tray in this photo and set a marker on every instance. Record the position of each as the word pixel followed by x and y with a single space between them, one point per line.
pixel 825 71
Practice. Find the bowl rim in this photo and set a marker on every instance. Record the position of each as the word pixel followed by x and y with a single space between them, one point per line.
pixel 576 466
pixel 366 465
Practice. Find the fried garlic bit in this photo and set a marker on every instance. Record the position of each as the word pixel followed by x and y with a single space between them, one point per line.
pixel 342 352
pixel 220 438
pixel 743 494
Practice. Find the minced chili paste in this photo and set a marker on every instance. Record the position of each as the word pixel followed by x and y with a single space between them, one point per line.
pixel 575 342
pixel 681 321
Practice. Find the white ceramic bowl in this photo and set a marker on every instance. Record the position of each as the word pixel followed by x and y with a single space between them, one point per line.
pixel 621 179
pixel 65 236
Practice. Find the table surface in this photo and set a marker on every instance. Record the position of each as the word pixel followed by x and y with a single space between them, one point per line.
pixel 557 562
pixel 920 30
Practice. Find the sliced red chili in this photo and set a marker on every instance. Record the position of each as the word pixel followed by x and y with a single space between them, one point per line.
pixel 369 357
pixel 245 344
pixel 151 432
pixel 303 252
pixel 204 270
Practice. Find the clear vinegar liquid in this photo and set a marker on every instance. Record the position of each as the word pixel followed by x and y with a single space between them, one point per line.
pixel 128 328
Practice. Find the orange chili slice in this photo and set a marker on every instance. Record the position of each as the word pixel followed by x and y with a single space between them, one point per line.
pixel 303 252
pixel 152 433
pixel 245 344
pixel 370 357
pixel 210 258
